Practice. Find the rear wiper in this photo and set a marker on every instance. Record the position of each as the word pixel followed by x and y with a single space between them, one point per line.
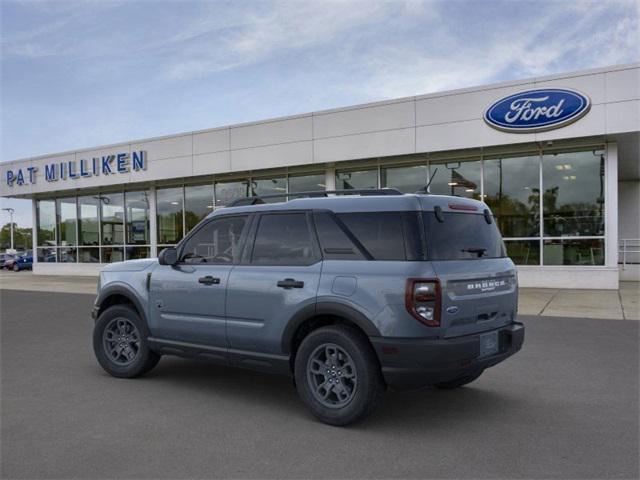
pixel 480 251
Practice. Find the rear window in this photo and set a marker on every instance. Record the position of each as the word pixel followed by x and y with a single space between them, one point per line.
pixel 461 236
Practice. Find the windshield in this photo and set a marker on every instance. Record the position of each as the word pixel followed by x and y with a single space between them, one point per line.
pixel 461 236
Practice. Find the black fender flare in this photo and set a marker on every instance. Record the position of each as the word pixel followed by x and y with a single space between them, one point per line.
pixel 123 290
pixel 327 308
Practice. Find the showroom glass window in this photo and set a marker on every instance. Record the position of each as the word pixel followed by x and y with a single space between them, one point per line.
pixel 112 218
pixel 360 179
pixel 573 207
pixel 460 178
pixel 67 221
pixel 137 218
pixel 46 222
pixel 406 179
pixel 88 226
pixel 112 254
pixel 226 192
pixel 88 229
pixel 574 251
pixel 169 218
pixel 46 230
pixel 307 183
pixel 269 186
pixel 573 196
pixel 136 209
pixel 112 227
pixel 523 252
pixel 67 212
pixel 512 191
pixel 198 203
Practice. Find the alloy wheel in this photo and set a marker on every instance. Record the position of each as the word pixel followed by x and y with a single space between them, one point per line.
pixel 331 375
pixel 121 340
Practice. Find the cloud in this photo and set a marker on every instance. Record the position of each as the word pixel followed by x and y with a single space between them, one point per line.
pixel 527 47
pixel 286 27
pixel 114 71
pixel 52 27
pixel 403 47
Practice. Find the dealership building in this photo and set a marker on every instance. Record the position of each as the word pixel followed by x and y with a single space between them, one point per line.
pixel 556 158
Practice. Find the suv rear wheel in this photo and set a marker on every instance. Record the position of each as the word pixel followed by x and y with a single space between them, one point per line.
pixel 120 343
pixel 337 375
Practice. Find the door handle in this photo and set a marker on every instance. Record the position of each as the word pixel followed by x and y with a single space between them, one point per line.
pixel 209 280
pixel 290 283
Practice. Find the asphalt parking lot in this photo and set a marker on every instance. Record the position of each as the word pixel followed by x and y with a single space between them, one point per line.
pixel 566 406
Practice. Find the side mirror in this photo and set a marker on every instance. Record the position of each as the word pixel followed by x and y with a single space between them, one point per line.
pixel 168 256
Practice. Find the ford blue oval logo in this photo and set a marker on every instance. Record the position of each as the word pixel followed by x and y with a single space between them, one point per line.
pixel 537 110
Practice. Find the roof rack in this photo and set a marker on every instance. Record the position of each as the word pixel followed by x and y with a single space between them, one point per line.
pixel 259 199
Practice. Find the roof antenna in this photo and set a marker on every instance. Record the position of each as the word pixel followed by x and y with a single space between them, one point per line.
pixel 425 189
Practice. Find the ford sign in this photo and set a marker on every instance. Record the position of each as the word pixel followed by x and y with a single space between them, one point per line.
pixel 537 110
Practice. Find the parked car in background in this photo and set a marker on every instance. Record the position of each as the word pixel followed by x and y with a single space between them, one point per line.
pixel 7 260
pixel 23 262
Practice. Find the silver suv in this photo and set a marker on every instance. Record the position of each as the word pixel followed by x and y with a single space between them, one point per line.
pixel 348 294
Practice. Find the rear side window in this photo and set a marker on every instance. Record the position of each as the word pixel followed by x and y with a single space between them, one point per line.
pixel 283 239
pixel 334 241
pixel 381 233
pixel 461 236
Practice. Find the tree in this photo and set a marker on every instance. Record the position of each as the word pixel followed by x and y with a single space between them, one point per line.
pixel 21 237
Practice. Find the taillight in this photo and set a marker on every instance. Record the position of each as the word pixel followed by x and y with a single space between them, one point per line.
pixel 422 299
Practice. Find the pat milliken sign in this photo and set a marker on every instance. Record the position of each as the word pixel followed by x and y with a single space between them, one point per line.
pixel 105 165
pixel 537 110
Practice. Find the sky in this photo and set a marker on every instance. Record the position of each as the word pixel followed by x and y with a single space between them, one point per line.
pixel 86 73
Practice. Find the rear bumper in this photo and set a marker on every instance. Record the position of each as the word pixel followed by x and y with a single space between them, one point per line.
pixel 415 363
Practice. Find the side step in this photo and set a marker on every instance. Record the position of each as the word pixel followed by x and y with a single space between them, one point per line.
pixel 263 362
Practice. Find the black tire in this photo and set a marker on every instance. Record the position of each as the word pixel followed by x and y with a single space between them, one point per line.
pixel 16 268
pixel 460 381
pixel 362 373
pixel 136 358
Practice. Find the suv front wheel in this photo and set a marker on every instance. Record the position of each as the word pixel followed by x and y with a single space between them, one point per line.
pixel 337 375
pixel 120 343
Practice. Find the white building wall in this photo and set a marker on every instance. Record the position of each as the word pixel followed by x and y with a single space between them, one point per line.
pixel 629 209
pixel 629 228
pixel 76 269
pixel 611 207
pixel 568 277
pixel 442 121
pixel 428 123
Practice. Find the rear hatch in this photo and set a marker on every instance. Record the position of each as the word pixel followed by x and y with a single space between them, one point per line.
pixel 478 282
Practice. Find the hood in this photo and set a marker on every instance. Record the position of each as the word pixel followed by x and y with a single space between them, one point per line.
pixel 131 265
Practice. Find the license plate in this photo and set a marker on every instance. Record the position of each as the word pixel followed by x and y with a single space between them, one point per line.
pixel 489 344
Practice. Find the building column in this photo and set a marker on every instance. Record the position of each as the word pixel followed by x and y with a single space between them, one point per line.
pixel 153 222
pixel 330 177
pixel 611 205
pixel 34 231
